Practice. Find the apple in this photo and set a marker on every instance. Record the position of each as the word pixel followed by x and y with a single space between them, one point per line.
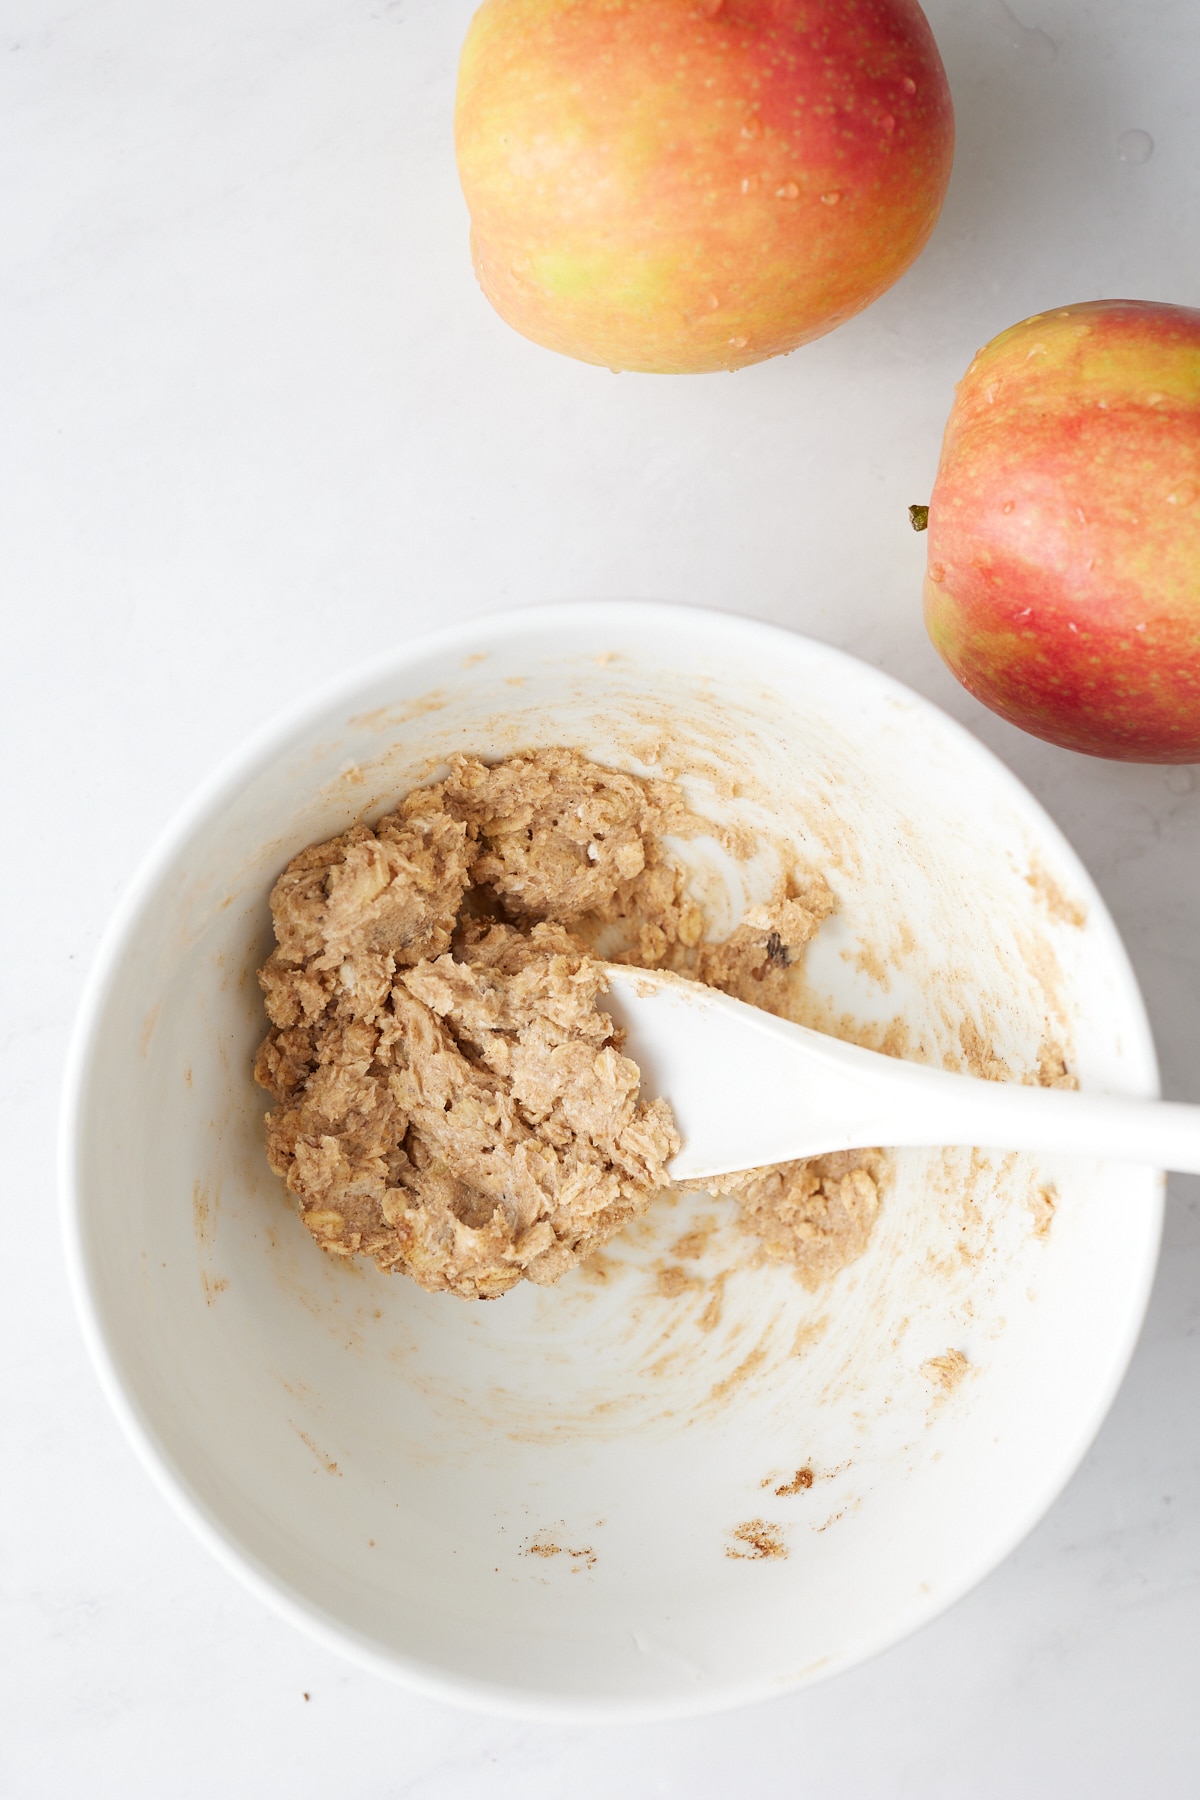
pixel 1063 576
pixel 686 185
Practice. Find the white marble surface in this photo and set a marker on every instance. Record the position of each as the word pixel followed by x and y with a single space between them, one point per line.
pixel 257 421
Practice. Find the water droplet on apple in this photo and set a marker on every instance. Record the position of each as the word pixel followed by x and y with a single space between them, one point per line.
pixel 1185 494
pixel 909 85
pixel 1135 147
pixel 750 184
pixel 1008 506
pixel 1071 626
pixel 753 127
pixel 712 303
pixel 789 191
pixel 1140 627
pixel 708 9
pixel 831 198
pixel 739 343
pixel 937 574
pixel 887 124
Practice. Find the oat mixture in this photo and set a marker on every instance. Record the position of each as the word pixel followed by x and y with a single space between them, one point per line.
pixel 449 1097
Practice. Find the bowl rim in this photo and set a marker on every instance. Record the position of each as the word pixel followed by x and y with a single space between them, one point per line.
pixel 282 1597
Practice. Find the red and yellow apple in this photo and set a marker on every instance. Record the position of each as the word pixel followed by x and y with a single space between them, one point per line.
pixel 1063 576
pixel 686 185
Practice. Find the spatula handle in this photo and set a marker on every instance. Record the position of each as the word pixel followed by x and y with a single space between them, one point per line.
pixel 940 1108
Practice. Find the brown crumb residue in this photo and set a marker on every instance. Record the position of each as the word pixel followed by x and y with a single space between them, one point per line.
pixel 1059 905
pixel 744 1370
pixel 204 1210
pixel 694 1243
pixel 980 1056
pixel 757 1540
pixel 802 1479
pixel 947 1370
pixel 1042 1203
pixel 544 1546
pixel 386 718
pixel 867 961
pixel 710 1318
pixel 326 1462
pixel 808 1333
pixel 672 1280
pixel 892 1039
pixel 1052 1070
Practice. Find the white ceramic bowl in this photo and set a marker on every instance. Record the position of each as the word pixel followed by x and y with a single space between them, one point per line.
pixel 532 1505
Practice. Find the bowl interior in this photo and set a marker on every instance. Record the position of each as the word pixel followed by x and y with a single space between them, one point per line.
pixel 585 1498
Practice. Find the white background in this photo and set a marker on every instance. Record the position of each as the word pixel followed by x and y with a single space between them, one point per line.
pixel 256 422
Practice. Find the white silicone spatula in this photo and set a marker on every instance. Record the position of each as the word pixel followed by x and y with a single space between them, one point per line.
pixel 748 1089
